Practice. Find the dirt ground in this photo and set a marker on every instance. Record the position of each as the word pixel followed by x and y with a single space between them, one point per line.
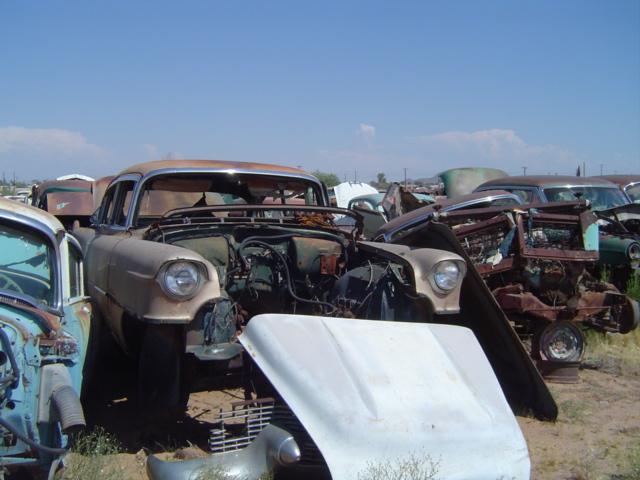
pixel 597 432
pixel 596 436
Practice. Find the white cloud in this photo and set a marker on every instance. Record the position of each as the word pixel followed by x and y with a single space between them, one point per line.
pixel 427 155
pixel 501 148
pixel 366 131
pixel 50 152
pixel 45 140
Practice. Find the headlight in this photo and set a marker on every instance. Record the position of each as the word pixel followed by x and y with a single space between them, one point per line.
pixel 633 251
pixel 446 275
pixel 181 279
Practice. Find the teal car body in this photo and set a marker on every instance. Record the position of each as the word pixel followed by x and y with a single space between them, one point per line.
pixel 44 329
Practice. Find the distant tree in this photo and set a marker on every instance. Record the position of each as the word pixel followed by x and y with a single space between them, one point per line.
pixel 331 179
pixel 381 183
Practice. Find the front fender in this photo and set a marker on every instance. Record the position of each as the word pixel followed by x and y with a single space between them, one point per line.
pixel 133 284
pixel 613 250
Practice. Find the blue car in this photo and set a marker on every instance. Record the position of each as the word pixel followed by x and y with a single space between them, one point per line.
pixel 44 327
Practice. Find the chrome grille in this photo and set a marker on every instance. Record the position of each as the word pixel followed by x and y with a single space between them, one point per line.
pixel 236 428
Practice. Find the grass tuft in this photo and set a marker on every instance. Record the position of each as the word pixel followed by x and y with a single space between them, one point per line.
pixel 613 352
pixel 90 457
pixel 413 467
pixel 633 287
pixel 217 472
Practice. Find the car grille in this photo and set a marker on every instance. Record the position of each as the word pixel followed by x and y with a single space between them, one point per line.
pixel 238 427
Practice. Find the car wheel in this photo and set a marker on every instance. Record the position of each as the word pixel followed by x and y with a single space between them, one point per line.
pixel 160 385
pixel 560 342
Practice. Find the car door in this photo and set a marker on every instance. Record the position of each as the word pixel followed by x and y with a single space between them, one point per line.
pixel 110 229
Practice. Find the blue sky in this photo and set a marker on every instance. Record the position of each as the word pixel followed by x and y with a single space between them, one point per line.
pixel 92 87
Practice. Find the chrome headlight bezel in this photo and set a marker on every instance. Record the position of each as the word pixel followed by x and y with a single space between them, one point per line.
pixel 442 275
pixel 170 278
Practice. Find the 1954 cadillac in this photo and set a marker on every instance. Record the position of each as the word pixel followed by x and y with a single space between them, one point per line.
pixel 44 327
pixel 185 256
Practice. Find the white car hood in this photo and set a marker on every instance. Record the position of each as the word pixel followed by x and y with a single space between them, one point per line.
pixel 348 190
pixel 374 393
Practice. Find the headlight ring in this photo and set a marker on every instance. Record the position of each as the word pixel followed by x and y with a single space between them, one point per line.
pixel 181 279
pixel 447 275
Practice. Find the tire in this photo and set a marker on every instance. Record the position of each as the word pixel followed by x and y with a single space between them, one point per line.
pixel 161 388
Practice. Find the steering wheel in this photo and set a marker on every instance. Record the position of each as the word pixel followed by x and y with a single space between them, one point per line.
pixel 8 284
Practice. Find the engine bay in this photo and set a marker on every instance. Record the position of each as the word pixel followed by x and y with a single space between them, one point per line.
pixel 298 270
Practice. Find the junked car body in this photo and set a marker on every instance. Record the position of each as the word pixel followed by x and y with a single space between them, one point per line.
pixel 345 397
pixel 185 253
pixel 536 261
pixel 44 327
pixel 619 244
pixel 344 192
pixel 68 199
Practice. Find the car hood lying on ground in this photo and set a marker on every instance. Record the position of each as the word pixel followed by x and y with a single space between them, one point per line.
pixel 378 399
pixel 375 394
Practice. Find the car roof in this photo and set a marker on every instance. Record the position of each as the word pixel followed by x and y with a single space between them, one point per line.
pixel 149 167
pixel 23 210
pixel 544 181
pixel 65 185
pixel 621 180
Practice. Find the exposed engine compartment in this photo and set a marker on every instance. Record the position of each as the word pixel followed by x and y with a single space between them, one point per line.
pixel 296 270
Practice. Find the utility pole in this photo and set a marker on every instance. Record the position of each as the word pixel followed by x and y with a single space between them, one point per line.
pixel 524 171
pixel 355 176
pixel 405 178
pixel 584 169
pixel 601 165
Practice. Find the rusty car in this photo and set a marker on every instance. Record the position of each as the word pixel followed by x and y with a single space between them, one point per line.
pixel 44 328
pixel 183 254
pixel 68 199
pixel 619 239
pixel 536 260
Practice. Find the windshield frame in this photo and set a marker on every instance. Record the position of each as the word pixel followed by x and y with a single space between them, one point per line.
pixel 21 221
pixel 134 207
pixel 614 188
